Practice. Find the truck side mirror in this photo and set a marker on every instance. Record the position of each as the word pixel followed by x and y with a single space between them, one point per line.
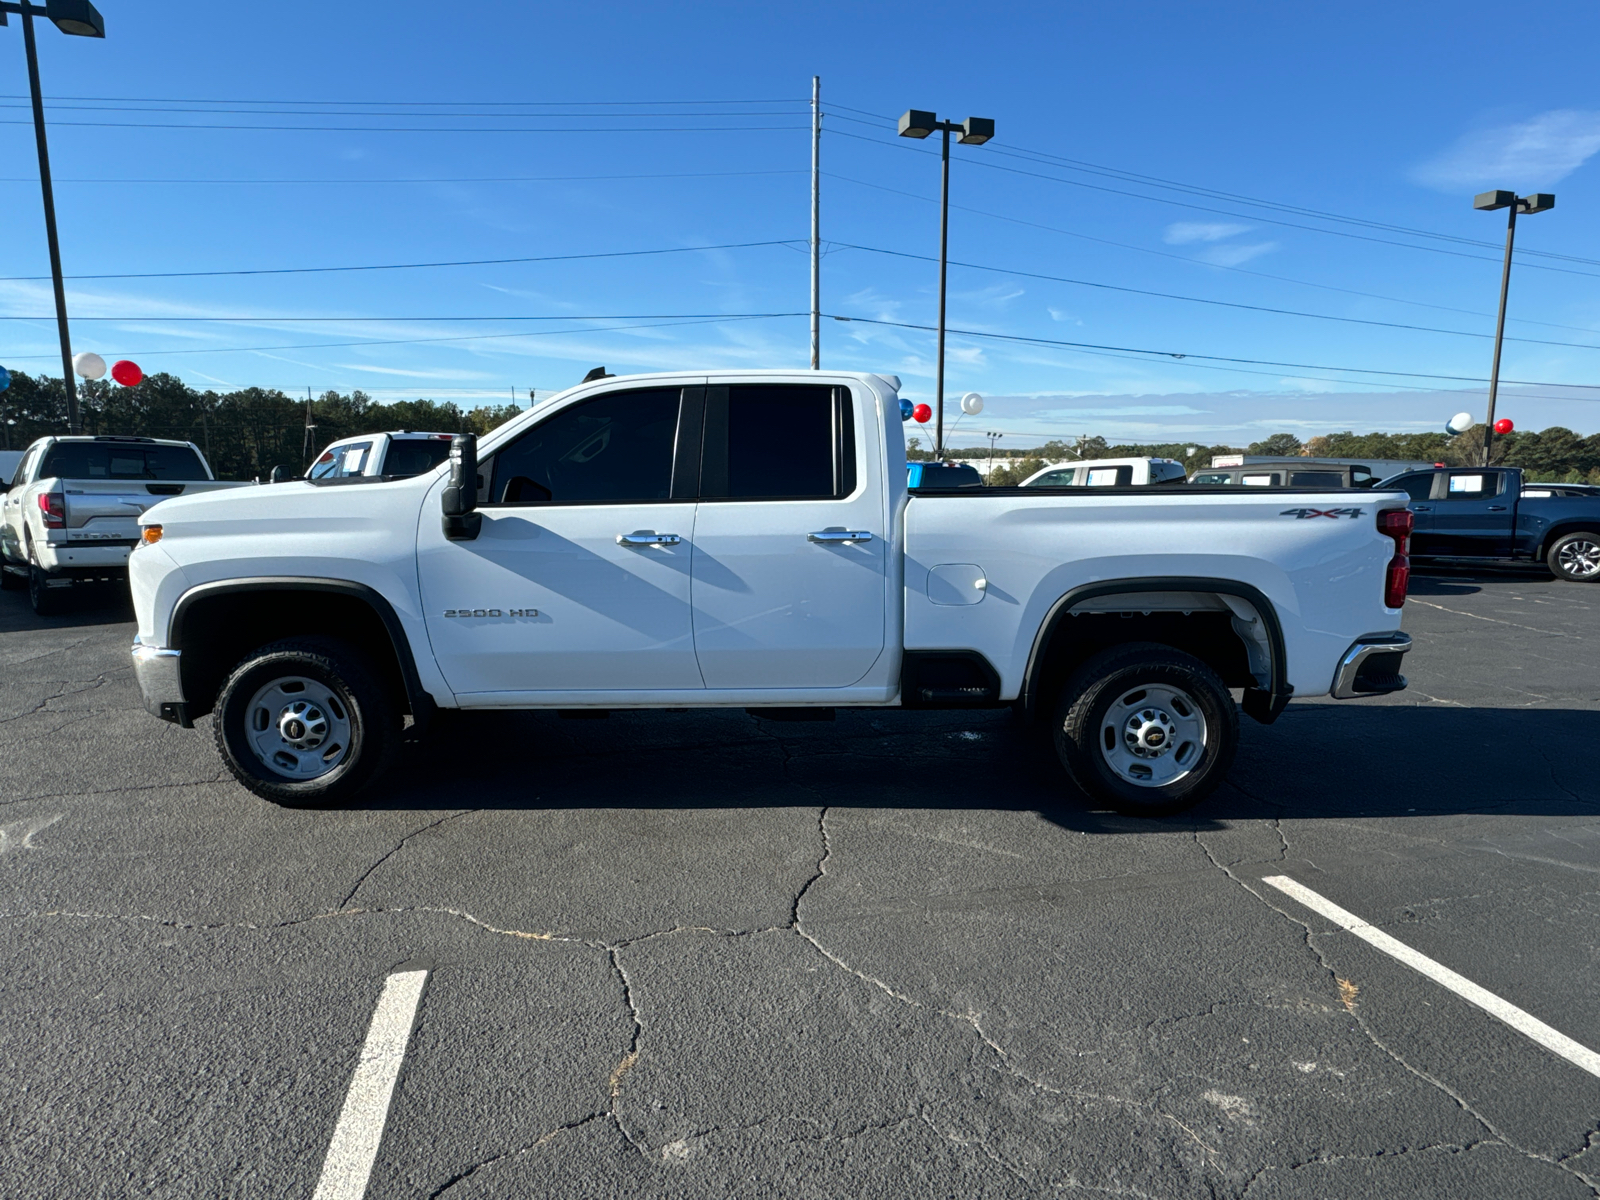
pixel 280 474
pixel 459 500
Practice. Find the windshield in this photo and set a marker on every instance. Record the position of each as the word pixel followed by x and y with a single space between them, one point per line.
pixel 122 460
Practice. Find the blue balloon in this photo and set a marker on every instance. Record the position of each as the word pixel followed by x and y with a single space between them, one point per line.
pixel 5 379
pixel 906 408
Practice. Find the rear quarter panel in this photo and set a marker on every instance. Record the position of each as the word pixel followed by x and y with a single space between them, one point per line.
pixel 1324 576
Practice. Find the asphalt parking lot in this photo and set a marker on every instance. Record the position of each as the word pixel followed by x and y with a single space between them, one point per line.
pixel 706 955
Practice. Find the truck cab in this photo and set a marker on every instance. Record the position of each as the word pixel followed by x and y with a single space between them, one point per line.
pixel 397 455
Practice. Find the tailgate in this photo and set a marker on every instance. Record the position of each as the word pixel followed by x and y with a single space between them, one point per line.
pixel 109 510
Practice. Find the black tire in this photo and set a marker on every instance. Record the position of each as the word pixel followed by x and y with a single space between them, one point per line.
pixel 47 601
pixel 1186 736
pixel 321 691
pixel 1575 557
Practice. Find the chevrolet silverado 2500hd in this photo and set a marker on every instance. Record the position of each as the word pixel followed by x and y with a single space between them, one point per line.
pixel 634 542
pixel 70 514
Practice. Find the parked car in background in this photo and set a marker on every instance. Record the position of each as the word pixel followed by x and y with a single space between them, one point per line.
pixel 70 512
pixel 1288 472
pixel 942 475
pixel 397 455
pixel 1377 468
pixel 1488 513
pixel 1107 472
pixel 635 543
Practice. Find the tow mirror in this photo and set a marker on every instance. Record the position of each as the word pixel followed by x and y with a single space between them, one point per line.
pixel 459 500
pixel 280 474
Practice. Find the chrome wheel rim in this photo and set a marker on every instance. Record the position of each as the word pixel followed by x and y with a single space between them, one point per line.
pixel 298 728
pixel 1153 735
pixel 1580 559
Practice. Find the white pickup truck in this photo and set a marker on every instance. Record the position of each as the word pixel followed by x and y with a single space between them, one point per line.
pixel 70 513
pixel 396 455
pixel 747 539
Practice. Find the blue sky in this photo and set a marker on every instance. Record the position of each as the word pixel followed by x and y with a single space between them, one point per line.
pixel 1134 143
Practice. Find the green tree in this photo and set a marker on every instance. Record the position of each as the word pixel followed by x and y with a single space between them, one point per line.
pixel 1278 445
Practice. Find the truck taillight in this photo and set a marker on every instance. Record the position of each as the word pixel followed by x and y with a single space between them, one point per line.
pixel 1396 523
pixel 54 507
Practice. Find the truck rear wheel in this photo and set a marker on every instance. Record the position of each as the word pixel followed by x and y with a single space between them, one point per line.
pixel 47 601
pixel 1146 729
pixel 305 723
pixel 1576 556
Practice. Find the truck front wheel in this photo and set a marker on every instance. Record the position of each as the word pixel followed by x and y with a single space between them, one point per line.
pixel 1576 556
pixel 1146 729
pixel 305 723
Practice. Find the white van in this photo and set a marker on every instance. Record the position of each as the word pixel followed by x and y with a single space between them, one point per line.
pixel 1108 472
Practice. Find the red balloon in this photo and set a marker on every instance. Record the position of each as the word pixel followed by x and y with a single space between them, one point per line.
pixel 126 373
pixel 921 413
pixel 1503 425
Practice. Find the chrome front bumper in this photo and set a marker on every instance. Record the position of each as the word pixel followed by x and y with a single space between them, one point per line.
pixel 1371 667
pixel 157 670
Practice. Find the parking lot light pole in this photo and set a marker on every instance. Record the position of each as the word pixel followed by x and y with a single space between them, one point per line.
pixel 78 18
pixel 974 131
pixel 1538 202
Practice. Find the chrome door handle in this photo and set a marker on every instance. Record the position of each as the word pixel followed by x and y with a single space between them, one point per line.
pixel 647 537
pixel 1497 508
pixel 844 537
pixel 1421 508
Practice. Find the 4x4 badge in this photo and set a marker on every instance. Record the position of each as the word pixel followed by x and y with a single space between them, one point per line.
pixel 1335 513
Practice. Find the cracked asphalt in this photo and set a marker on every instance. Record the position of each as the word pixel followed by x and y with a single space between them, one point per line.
pixel 703 954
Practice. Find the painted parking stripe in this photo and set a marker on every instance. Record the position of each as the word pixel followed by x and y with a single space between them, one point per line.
pixel 366 1107
pixel 1522 1022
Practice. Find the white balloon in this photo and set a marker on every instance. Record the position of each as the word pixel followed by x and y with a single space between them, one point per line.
pixel 972 404
pixel 89 364
pixel 1459 423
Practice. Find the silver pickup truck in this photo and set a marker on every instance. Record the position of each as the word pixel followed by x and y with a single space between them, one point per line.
pixel 70 513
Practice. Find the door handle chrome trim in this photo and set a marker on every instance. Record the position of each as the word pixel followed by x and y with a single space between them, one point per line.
pixel 647 537
pixel 843 537
pixel 1421 508
pixel 1497 508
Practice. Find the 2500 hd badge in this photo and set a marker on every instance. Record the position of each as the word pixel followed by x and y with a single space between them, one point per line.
pixel 491 612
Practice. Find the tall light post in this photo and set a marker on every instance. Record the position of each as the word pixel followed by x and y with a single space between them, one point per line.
pixel 993 438
pixel 974 131
pixel 78 18
pixel 1538 202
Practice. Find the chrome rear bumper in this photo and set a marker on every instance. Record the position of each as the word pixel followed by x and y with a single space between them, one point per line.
pixel 1371 667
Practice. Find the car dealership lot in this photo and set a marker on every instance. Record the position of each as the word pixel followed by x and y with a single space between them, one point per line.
pixel 705 954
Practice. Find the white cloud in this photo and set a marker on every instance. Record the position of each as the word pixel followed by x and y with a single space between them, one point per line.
pixel 1183 233
pixel 1534 153
pixel 1235 254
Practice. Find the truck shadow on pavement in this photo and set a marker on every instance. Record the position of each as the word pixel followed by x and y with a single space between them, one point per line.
pixel 105 605
pixel 1319 760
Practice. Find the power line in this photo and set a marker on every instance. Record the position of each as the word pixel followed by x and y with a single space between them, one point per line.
pixel 497 116
pixel 1344 233
pixel 34 179
pixel 412 103
pixel 1042 156
pixel 465 262
pixel 1072 233
pixel 1178 355
pixel 474 337
pixel 421 320
pixel 420 128
pixel 1261 308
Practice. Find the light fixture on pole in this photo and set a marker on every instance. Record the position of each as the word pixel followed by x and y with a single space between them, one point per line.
pixel 78 18
pixel 993 438
pixel 974 131
pixel 1538 202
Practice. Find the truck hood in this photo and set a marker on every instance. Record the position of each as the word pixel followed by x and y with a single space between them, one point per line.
pixel 293 505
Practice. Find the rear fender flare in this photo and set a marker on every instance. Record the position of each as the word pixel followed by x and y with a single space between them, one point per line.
pixel 1263 704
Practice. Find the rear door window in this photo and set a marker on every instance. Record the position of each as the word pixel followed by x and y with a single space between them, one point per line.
pixel 1271 480
pixel 1418 487
pixel 1472 485
pixel 1110 476
pixel 1321 479
pixel 783 442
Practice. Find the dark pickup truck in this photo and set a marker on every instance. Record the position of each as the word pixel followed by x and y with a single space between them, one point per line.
pixel 1490 513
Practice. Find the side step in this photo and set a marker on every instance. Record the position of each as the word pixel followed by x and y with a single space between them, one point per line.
pixel 793 714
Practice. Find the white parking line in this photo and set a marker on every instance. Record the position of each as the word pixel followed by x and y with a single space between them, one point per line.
pixel 366 1107
pixel 1522 1022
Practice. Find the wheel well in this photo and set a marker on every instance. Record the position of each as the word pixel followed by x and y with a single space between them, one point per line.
pixel 1583 525
pixel 1209 636
pixel 216 632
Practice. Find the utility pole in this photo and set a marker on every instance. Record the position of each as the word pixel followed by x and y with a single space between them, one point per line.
pixel 305 445
pixel 993 438
pixel 816 222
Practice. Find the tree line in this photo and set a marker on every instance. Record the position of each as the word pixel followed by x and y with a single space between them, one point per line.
pixel 1553 455
pixel 243 433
